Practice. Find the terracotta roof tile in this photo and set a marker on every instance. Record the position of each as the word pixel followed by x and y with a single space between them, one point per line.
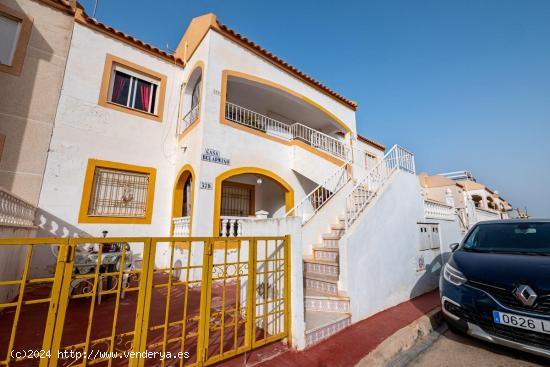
pixel 286 65
pixel 84 18
pixel 67 5
pixel 371 142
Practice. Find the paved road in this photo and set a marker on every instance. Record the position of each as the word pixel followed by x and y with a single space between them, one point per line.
pixel 453 350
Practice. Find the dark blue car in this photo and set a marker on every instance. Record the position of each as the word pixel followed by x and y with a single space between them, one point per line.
pixel 496 284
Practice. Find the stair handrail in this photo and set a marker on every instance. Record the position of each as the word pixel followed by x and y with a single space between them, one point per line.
pixel 397 158
pixel 322 193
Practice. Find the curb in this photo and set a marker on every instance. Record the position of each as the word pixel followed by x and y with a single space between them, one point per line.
pixel 402 340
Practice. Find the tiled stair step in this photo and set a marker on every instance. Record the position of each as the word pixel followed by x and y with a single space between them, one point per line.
pixel 323 267
pixel 330 236
pixel 327 285
pixel 326 253
pixel 330 244
pixel 316 301
pixel 322 325
pixel 337 229
pixel 330 240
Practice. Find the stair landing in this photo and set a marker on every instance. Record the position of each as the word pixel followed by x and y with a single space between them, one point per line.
pixel 321 325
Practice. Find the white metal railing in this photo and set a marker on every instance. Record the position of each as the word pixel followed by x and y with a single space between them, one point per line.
pixel 437 210
pixel 484 214
pixel 298 131
pixel 397 158
pixel 15 212
pixel 182 226
pixel 309 205
pixel 188 119
pixel 231 226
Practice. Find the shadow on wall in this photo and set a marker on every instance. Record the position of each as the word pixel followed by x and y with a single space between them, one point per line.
pixel 430 279
pixel 51 226
pixel 23 117
pixel 45 257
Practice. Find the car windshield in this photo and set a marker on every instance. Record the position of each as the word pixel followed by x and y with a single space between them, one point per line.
pixel 528 237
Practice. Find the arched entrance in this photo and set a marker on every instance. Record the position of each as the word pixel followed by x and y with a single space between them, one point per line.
pixel 242 192
pixel 182 202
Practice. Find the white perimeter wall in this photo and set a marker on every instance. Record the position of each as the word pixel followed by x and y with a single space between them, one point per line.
pixel 378 255
pixel 280 227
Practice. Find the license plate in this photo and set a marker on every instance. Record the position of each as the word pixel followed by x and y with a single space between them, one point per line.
pixel 521 322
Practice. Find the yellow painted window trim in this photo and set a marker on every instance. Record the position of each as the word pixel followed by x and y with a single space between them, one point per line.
pixel 21 48
pixel 87 191
pixel 110 62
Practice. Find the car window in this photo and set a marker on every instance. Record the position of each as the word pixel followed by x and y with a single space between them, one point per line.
pixel 525 237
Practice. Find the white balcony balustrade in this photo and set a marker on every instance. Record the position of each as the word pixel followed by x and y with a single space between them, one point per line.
pixel 231 226
pixel 188 119
pixel 297 131
pixel 15 212
pixel 366 189
pixel 437 210
pixel 484 214
pixel 182 226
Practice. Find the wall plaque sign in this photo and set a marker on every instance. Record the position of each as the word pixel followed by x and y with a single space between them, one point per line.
pixel 205 185
pixel 214 156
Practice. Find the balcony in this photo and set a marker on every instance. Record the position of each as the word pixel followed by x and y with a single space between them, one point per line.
pixel 280 112
pixel 295 131
pixel 191 116
pixel 15 212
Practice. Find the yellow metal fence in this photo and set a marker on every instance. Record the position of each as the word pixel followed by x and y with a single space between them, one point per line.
pixel 184 301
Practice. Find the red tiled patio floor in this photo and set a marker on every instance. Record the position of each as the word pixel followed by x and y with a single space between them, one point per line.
pixel 30 330
pixel 347 347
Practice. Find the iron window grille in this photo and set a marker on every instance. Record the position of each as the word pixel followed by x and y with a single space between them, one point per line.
pixel 118 193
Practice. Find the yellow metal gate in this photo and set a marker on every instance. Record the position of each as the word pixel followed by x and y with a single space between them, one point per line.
pixel 184 301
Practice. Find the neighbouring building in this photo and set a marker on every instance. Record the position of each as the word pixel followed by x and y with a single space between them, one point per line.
pixel 473 201
pixel 35 38
pixel 225 143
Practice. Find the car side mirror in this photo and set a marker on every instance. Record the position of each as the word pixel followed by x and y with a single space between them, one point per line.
pixel 454 246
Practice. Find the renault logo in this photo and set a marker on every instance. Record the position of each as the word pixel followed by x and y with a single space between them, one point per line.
pixel 525 295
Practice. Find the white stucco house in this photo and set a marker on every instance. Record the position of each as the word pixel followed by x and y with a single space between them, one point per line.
pixel 224 139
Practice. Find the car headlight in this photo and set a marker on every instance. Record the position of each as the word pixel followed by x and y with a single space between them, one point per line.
pixel 453 275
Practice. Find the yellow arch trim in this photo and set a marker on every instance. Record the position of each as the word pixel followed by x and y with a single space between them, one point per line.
pixel 177 196
pixel 239 74
pixel 289 191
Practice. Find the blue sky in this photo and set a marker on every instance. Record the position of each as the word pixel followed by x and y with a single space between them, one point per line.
pixel 463 84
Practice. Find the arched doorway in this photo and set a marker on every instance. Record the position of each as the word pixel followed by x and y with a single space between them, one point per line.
pixel 243 192
pixel 182 202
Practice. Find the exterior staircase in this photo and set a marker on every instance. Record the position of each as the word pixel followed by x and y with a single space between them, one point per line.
pixel 327 310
